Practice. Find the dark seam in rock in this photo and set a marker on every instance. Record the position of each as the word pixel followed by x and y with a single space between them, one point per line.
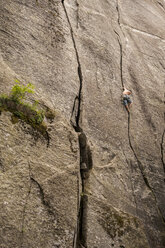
pixel 161 5
pixel 120 44
pixel 77 128
pixel 74 113
pixel 140 166
pixel 24 209
pixel 5 32
pixel 162 151
pixel 162 65
pixel 44 202
pixel 122 82
pixel 86 165
pixel 121 59
pixel 80 236
pixel 48 138
pixel 77 4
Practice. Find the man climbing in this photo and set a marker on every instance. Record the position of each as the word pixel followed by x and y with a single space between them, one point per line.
pixel 126 99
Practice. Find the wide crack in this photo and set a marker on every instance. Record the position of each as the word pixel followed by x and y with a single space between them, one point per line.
pixel 80 237
pixel 79 71
pixel 140 166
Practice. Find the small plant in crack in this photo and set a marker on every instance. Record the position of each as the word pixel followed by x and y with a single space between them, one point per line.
pixel 16 103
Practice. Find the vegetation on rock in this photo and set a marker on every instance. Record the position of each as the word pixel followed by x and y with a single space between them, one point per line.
pixel 16 103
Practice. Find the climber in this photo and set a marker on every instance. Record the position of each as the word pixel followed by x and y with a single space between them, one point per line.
pixel 126 99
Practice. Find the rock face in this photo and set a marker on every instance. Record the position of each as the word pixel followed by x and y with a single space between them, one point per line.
pixel 100 182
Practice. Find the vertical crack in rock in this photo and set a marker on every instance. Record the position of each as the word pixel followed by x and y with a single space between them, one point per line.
pixel 140 166
pixel 122 83
pixel 162 151
pixel 77 4
pixel 117 8
pixel 121 59
pixel 120 44
pixel 24 209
pixel 48 138
pixel 86 163
pixel 79 96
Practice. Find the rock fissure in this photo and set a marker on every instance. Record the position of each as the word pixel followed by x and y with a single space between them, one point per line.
pixel 86 163
pixel 5 32
pixel 42 195
pixel 118 12
pixel 133 28
pixel 161 5
pixel 79 71
pixel 140 166
pixel 25 207
pixel 122 83
pixel 120 44
pixel 162 150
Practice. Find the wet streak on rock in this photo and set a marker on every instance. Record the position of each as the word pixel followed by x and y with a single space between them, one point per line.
pixel 80 237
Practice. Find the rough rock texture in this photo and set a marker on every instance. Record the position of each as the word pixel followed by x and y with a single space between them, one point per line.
pixel 100 181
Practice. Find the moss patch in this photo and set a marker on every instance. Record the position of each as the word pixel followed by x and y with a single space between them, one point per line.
pixel 24 112
pixel 29 113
